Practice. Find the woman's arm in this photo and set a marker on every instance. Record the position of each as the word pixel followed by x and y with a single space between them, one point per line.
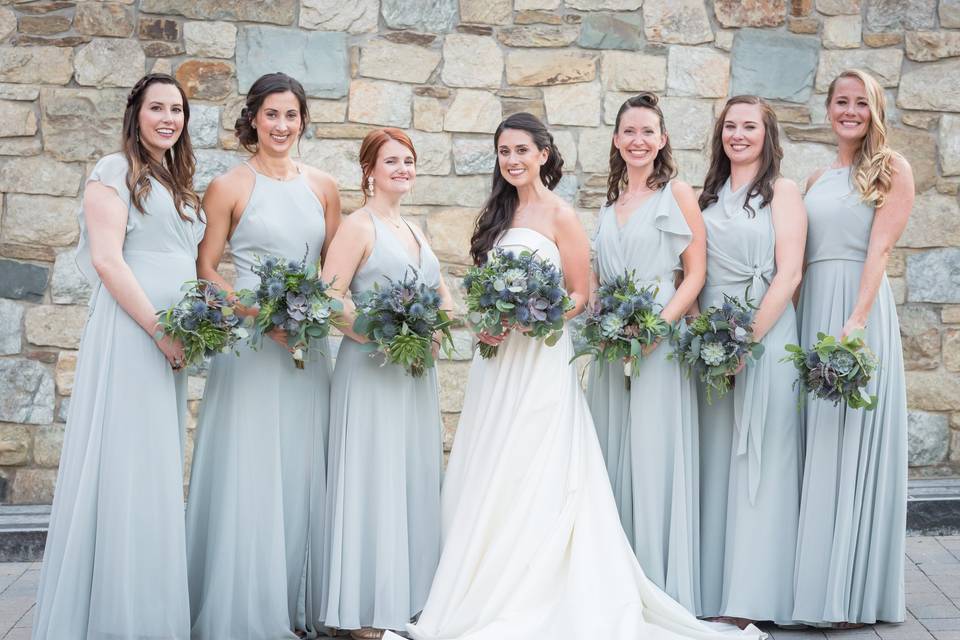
pixel 790 230
pixel 889 221
pixel 325 188
pixel 574 256
pixel 105 216
pixel 694 257
pixel 218 206
pixel 348 251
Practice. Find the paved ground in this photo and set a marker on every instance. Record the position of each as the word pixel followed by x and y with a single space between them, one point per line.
pixel 932 578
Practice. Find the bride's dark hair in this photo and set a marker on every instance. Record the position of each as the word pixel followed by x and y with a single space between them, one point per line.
pixel 497 212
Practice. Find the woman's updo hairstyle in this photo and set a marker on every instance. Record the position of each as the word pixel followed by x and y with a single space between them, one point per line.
pixel 664 167
pixel 497 213
pixel 267 85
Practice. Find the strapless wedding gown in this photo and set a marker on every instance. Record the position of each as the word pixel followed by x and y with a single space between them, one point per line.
pixel 532 541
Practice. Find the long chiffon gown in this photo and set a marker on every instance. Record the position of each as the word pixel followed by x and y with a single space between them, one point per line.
pixel 382 518
pixel 750 438
pixel 648 433
pixel 532 541
pixel 853 505
pixel 115 562
pixel 259 461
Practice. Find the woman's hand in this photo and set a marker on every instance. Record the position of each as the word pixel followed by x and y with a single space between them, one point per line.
pixel 172 350
pixel 279 336
pixel 853 324
pixel 493 341
pixel 743 363
pixel 650 348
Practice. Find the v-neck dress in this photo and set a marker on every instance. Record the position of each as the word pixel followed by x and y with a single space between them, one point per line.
pixel 258 463
pixel 853 506
pixel 750 438
pixel 382 518
pixel 648 433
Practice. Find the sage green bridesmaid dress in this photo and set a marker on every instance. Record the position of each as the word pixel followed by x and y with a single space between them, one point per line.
pixel 750 438
pixel 849 564
pixel 648 433
pixel 382 518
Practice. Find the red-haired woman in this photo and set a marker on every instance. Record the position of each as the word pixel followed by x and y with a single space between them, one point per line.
pixel 382 520
pixel 115 562
pixel 258 465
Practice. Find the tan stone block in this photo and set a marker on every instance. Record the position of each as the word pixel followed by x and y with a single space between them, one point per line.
pixel 568 148
pixel 923 87
pixel 55 325
pixel 842 32
pixel 433 152
pixel 838 7
pixel 45 25
pixel 428 113
pixel 750 13
pixel 808 25
pixel 950 314
pixel 792 113
pixel 453 384
pixel 210 39
pixel 545 68
pixel 47 445
pixel 697 71
pixel 573 104
pixel 450 231
pixel 40 65
pixel 450 421
pixel 109 62
pixel 18 92
pixel 934 222
pixel 691 166
pixel 400 62
pixel 327 110
pixel 920 150
pixel 17 119
pixel 8 22
pixel 612 101
pixel 39 175
pixel 103 19
pixel 336 157
pixel 948 187
pixel 207 79
pixel 933 390
pixel 33 486
pixel 801 7
pixel 899 288
pixel 65 372
pixel 897 264
pixel 342 130
pixel 882 64
pixel 471 61
pixel 539 35
pixel 537 17
pixel 919 119
pixel 355 16
pixel 629 71
pixel 486 11
pixel 926 46
pixel 535 5
pixel 276 11
pixel 949 11
pixel 456 191
pixel 604 5
pixel 676 21
pixel 950 144
pixel 883 39
pixel 920 334
pixel 724 40
pixel 15 440
pixel 689 121
pixel 82 124
pixel 380 102
pixel 473 111
pixel 594 149
pixel 951 349
pixel 162 65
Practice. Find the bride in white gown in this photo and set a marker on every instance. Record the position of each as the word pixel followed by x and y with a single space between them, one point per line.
pixel 532 541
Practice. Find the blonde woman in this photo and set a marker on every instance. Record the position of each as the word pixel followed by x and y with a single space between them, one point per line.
pixel 849 568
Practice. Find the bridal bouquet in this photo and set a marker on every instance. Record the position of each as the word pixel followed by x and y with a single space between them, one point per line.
pixel 516 290
pixel 715 342
pixel 400 320
pixel 203 320
pixel 836 370
pixel 293 298
pixel 621 323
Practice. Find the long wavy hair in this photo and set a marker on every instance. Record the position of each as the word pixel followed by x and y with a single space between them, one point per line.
pixel 369 149
pixel 872 168
pixel 664 167
pixel 497 212
pixel 176 170
pixel 267 85
pixel 770 156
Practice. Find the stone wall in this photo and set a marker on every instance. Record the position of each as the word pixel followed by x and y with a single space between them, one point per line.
pixel 448 71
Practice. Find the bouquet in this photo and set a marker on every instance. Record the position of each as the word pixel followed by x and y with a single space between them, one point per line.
pixel 291 297
pixel 203 320
pixel 621 323
pixel 836 370
pixel 715 342
pixel 400 320
pixel 516 290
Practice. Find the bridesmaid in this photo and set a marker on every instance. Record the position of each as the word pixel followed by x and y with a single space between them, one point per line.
pixel 850 545
pixel 651 226
pixel 382 519
pixel 750 438
pixel 115 563
pixel 262 427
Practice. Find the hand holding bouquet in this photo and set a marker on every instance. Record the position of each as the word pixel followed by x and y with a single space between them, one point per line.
pixel 203 321
pixel 622 322
pixel 516 290
pixel 400 320
pixel 291 297
pixel 836 370
pixel 715 343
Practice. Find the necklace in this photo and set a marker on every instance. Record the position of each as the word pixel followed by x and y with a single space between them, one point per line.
pixel 283 178
pixel 387 218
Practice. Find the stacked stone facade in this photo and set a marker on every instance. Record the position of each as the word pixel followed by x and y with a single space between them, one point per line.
pixel 448 71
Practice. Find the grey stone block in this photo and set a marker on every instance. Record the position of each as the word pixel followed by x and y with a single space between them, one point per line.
pixel 777 66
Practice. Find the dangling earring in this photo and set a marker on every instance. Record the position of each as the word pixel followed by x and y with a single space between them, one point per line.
pixel 370 185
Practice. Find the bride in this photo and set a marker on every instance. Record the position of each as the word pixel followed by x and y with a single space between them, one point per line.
pixel 532 542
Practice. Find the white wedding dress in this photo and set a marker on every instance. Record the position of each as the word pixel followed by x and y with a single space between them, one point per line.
pixel 532 542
